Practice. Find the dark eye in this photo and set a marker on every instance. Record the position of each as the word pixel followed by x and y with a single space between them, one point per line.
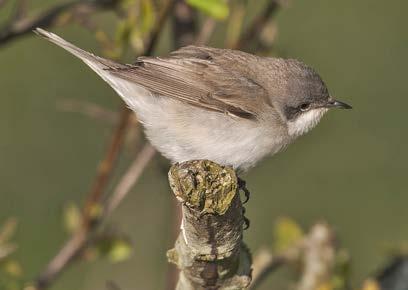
pixel 304 107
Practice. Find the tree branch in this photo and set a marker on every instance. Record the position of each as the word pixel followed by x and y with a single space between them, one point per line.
pixel 316 253
pixel 209 250
pixel 17 27
pixel 257 25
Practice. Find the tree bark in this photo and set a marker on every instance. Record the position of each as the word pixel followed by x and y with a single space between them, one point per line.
pixel 209 250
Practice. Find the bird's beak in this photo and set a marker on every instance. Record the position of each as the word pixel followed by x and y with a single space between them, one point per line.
pixel 337 104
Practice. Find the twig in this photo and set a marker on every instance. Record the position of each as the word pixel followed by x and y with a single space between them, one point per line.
pixel 206 31
pixel 73 248
pixel 257 25
pixel 21 26
pixel 184 24
pixel 264 263
pixel 316 252
pixel 105 167
pixel 130 178
pixel 3 2
pixel 88 109
pixel 318 257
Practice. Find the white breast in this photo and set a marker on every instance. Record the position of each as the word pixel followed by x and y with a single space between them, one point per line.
pixel 305 122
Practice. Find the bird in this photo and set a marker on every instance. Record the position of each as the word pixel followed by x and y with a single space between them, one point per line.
pixel 223 105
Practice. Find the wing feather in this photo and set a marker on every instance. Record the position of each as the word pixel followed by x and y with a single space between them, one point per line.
pixel 199 78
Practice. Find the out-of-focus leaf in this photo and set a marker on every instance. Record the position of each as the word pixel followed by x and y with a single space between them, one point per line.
pixel 6 250
pixel 217 9
pixel 8 230
pixel 115 249
pixel 371 285
pixel 72 217
pixel 325 286
pixel 120 251
pixel 12 268
pixel 341 272
pixel 148 15
pixel 235 21
pixel 286 233
pixel 96 211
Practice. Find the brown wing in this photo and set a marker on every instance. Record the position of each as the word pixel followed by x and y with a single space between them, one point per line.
pixel 197 75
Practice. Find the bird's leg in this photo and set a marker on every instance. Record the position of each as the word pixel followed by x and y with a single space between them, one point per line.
pixel 246 220
pixel 242 186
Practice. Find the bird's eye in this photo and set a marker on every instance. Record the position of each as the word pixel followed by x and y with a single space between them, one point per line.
pixel 304 107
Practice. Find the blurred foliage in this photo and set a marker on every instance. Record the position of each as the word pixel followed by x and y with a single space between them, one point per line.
pixel 113 248
pixel 72 217
pixel 371 285
pixel 11 271
pixel 287 233
pixel 137 18
pixel 218 9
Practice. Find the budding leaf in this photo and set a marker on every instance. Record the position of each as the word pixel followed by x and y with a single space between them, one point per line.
pixel 217 9
pixel 120 251
pixel 72 217
pixel 286 232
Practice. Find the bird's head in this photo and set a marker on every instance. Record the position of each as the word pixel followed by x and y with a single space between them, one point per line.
pixel 302 97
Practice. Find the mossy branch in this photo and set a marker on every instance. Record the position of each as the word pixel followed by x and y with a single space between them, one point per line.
pixel 209 250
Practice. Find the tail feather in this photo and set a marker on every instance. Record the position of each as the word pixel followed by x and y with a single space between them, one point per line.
pixel 103 67
pixel 95 62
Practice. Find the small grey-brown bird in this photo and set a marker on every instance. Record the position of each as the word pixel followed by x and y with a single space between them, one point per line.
pixel 227 106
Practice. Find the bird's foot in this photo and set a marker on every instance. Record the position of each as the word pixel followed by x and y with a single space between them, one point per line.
pixel 246 223
pixel 242 186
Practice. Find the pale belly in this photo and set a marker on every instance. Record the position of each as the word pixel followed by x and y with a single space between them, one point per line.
pixel 183 132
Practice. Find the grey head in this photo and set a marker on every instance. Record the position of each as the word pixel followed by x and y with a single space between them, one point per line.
pixel 298 93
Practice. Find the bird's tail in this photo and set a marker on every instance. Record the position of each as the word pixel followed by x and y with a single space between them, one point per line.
pixel 98 64
pixel 104 67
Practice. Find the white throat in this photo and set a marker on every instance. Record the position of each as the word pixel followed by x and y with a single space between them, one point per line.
pixel 305 122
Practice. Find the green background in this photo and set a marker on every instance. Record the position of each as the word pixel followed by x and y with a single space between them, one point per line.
pixel 351 170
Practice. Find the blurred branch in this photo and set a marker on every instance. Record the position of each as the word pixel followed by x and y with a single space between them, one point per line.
pixel 206 31
pixel 74 247
pixel 106 166
pixel 209 250
pixel 316 252
pixel 254 30
pixel 88 109
pixel 19 26
pixel 318 257
pixel 84 236
pixel 184 24
pixel 130 178
pixel 3 2
pixel 266 263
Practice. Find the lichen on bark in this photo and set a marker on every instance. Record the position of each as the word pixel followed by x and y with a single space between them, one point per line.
pixel 209 250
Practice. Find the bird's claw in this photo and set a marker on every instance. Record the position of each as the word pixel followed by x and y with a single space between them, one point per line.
pixel 242 186
pixel 247 222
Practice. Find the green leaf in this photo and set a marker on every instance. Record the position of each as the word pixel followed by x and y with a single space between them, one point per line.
pixel 286 232
pixel 115 249
pixel 120 251
pixel 217 9
pixel 72 217
pixel 12 268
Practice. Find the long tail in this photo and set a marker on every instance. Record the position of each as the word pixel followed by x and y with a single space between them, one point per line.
pixel 98 64
pixel 132 93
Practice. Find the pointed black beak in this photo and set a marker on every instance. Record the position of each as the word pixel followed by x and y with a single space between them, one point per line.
pixel 338 104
